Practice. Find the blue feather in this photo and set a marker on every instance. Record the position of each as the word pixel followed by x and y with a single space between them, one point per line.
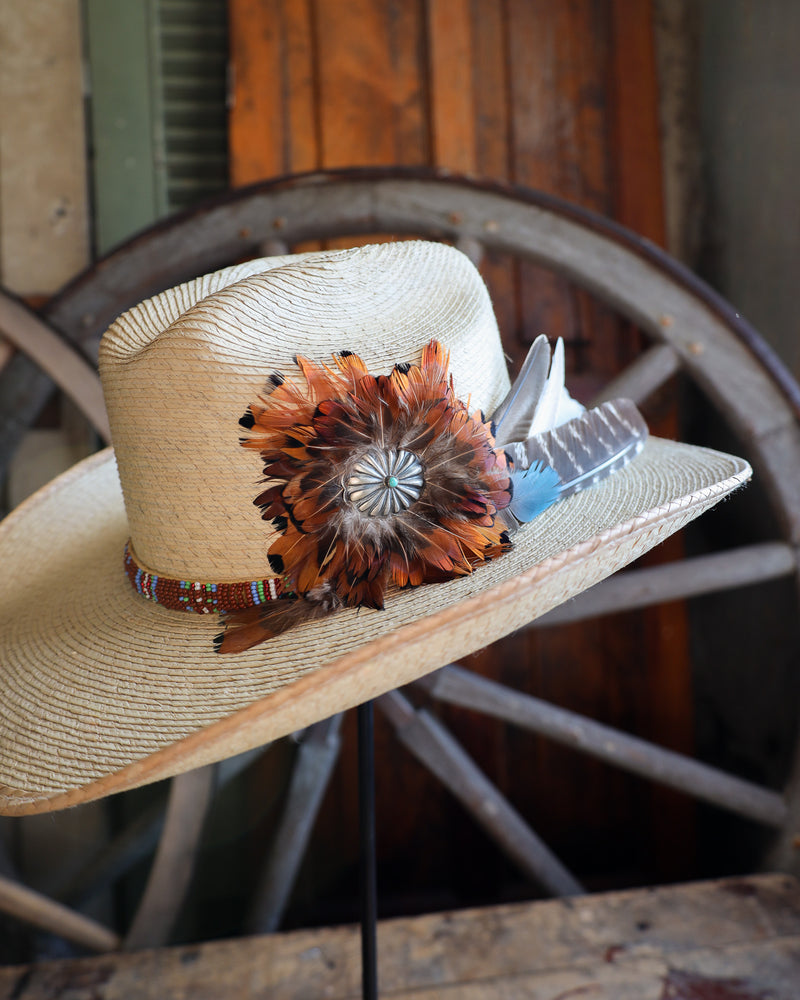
pixel 535 489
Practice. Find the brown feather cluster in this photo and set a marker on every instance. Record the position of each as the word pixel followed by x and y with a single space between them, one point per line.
pixel 371 480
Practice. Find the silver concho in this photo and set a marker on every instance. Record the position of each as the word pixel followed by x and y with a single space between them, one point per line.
pixel 385 482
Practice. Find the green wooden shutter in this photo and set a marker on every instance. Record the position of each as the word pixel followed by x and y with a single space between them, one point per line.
pixel 157 94
pixel 194 62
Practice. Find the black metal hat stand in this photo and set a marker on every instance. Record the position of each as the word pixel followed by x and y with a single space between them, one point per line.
pixel 366 825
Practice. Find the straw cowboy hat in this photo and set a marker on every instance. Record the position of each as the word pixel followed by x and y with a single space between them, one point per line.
pixel 108 682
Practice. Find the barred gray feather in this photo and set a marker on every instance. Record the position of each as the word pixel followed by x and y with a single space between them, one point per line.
pixel 589 448
pixel 512 418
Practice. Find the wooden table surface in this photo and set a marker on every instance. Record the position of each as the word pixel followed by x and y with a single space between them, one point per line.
pixel 734 939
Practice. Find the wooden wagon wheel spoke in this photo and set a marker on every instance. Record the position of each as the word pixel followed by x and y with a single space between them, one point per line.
pixel 648 373
pixel 641 588
pixel 171 871
pixel 132 845
pixel 316 757
pixel 35 908
pixel 461 687
pixel 273 248
pixel 55 356
pixel 6 352
pixel 135 842
pixel 473 249
pixel 436 748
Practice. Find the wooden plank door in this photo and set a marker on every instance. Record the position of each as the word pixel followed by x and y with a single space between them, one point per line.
pixel 557 96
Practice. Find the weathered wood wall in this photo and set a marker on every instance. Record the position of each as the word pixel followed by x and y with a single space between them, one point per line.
pixel 43 181
pixel 749 86
pixel 562 97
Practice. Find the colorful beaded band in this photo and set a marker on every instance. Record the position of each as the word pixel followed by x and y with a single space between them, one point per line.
pixel 204 598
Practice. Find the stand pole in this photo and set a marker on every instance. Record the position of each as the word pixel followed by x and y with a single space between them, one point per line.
pixel 366 820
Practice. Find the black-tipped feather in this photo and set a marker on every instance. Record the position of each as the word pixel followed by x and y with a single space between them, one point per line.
pixel 244 629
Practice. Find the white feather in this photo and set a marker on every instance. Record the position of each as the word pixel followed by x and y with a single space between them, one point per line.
pixel 538 400
pixel 555 405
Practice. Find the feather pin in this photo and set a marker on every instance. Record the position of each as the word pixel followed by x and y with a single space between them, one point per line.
pixel 369 480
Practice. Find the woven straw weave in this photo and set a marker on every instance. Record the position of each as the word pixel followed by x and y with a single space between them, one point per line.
pixel 103 690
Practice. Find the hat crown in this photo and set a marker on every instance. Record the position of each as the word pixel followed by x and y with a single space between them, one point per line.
pixel 180 370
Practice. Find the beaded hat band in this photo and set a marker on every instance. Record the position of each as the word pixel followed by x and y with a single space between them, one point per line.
pixel 193 595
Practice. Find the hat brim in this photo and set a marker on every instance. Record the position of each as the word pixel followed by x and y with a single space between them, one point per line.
pixel 103 691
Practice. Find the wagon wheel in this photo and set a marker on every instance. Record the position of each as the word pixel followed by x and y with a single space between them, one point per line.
pixel 690 329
